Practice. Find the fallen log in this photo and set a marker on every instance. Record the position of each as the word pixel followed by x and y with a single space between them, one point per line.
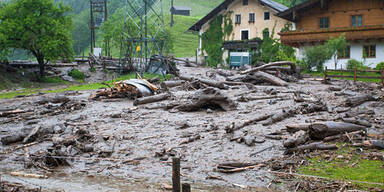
pixel 344 136
pixel 312 146
pixel 55 99
pixel 233 167
pixel 169 84
pixel 249 98
pixel 38 132
pixel 22 174
pixel 358 100
pixel 259 75
pixel 296 139
pixel 191 139
pixel 210 98
pixel 217 84
pixel 324 129
pixel 14 138
pixel 234 127
pixel 235 170
pixel 279 63
pixel 357 121
pixel 279 117
pixel 151 99
pixel 11 112
pixel 297 127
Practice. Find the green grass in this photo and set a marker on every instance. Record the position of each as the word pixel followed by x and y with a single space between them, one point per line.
pixel 83 87
pixel 53 80
pixel 351 168
pixel 185 42
pixel 321 74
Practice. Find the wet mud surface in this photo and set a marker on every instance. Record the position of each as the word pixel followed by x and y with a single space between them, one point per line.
pixel 118 145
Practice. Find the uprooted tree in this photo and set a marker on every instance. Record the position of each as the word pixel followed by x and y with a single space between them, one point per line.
pixel 38 26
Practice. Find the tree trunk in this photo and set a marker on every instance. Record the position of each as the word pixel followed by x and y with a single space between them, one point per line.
pixel 324 129
pixel 40 59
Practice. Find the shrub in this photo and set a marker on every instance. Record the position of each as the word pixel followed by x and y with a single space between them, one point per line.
pixel 76 74
pixel 92 69
pixel 352 63
pixel 380 66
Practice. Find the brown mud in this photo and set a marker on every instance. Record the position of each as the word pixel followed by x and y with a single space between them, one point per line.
pixel 131 148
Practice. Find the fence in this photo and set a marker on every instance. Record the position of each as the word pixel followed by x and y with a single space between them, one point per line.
pixel 355 76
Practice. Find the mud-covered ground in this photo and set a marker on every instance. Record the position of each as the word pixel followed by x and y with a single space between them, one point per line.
pixel 130 148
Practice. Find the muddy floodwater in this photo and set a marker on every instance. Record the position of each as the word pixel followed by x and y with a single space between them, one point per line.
pixel 132 147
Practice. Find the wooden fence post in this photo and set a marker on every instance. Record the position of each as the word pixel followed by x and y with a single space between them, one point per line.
pixel 186 187
pixel 325 74
pixel 382 76
pixel 176 175
pixel 355 73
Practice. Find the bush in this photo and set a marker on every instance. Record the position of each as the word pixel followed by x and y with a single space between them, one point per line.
pixel 352 63
pixel 92 69
pixel 76 74
pixel 380 66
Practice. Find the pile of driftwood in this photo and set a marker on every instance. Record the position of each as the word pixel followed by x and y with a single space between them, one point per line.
pixel 315 135
pixel 272 73
pixel 132 89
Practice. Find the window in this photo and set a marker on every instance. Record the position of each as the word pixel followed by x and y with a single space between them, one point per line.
pixel 369 51
pixel 324 22
pixel 357 20
pixel 237 19
pixel 266 16
pixel 245 2
pixel 244 34
pixel 252 17
pixel 345 54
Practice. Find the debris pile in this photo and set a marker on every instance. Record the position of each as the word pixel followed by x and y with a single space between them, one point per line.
pixel 133 88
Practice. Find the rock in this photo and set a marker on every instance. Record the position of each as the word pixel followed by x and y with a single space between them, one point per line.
pixel 249 140
pixel 68 78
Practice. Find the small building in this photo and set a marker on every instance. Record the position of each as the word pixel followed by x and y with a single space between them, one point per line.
pixel 362 23
pixel 181 10
pixel 249 19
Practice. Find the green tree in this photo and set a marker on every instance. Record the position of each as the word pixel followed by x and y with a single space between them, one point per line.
pixel 316 56
pixel 39 26
pixel 81 32
pixel 337 46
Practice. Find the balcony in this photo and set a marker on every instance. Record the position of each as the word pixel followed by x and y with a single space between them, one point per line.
pixel 300 37
pixel 242 44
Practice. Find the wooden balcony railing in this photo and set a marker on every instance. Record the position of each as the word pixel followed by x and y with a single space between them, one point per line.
pixel 298 37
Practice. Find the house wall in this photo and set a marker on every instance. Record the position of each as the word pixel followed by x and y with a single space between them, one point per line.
pixel 340 12
pixel 356 53
pixel 255 28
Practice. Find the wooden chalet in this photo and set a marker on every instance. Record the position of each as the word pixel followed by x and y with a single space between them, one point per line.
pixel 362 22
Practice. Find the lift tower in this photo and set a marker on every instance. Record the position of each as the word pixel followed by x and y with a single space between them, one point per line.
pixel 99 14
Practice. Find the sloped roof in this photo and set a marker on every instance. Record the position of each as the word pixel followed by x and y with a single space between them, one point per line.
pixel 270 3
pixel 182 8
pixel 305 6
pixel 274 5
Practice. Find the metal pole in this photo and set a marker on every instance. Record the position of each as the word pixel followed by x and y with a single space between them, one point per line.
pixel 146 33
pixel 91 24
pixel 176 175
